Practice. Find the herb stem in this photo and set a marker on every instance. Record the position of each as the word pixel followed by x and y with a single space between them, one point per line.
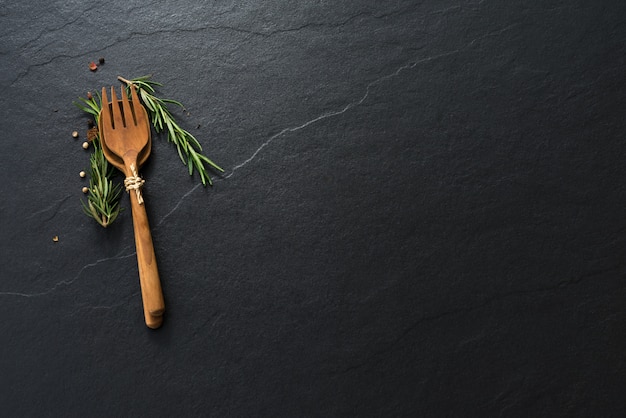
pixel 188 148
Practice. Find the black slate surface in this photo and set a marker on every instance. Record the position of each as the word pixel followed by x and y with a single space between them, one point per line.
pixel 422 212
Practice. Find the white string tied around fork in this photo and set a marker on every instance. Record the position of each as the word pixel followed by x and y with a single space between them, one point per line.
pixel 135 183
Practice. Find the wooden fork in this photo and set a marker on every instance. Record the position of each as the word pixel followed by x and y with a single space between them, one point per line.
pixel 125 135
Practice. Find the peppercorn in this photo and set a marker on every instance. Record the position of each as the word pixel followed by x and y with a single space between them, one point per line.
pixel 85 145
pixel 101 60
pixel 89 123
pixel 85 189
pixel 93 66
pixel 75 134
pixel 82 174
pixel 89 95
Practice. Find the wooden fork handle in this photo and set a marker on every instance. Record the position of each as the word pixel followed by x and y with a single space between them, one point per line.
pixel 151 292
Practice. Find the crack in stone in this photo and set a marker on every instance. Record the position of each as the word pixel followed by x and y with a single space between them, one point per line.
pixel 134 34
pixel 180 201
pixel 265 34
pixel 68 282
pixel 83 307
pixel 336 25
pixel 310 122
pixel 55 206
pixel 492 33
pixel 48 31
pixel 341 111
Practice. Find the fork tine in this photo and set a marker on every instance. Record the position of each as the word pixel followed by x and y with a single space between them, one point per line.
pixel 106 114
pixel 127 111
pixel 140 116
pixel 118 118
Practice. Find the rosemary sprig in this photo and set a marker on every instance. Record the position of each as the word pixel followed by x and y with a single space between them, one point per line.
pixel 103 200
pixel 188 147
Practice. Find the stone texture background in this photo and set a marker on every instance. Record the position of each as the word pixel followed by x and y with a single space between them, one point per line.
pixel 422 212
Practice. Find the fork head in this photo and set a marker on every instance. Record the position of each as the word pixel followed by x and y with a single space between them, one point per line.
pixel 125 126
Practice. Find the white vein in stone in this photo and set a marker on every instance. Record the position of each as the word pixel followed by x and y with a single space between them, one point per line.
pixel 119 256
pixel 180 201
pixel 341 111
pixel 54 206
pixel 323 116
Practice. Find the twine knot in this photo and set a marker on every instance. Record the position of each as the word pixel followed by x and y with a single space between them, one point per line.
pixel 135 183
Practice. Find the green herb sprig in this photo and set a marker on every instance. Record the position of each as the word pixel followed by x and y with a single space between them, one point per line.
pixel 188 147
pixel 104 195
pixel 103 200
